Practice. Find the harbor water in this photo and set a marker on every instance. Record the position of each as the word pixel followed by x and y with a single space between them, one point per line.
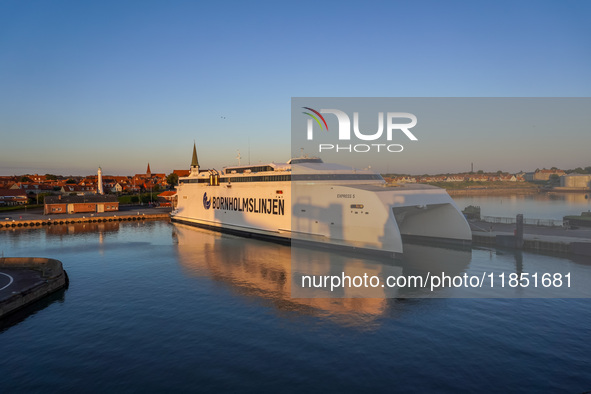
pixel 532 206
pixel 159 307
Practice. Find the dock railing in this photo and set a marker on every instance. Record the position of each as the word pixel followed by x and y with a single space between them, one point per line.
pixel 526 221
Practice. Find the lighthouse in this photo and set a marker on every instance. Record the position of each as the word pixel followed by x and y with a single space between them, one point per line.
pixel 99 189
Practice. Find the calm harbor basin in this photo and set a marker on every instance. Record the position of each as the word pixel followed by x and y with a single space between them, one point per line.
pixel 147 311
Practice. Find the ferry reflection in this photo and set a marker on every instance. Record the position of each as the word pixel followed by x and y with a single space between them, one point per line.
pixel 265 270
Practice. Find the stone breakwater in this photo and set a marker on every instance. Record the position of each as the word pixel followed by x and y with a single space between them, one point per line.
pixel 96 219
pixel 28 279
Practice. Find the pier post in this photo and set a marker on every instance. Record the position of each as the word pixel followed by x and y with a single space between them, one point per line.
pixel 519 231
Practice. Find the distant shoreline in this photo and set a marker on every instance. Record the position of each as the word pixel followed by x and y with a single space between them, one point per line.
pixel 493 192
pixel 509 191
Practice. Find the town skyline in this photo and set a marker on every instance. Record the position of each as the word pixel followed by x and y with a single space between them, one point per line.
pixel 585 169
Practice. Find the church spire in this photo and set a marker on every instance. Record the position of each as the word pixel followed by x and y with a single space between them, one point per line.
pixel 194 161
pixel 148 172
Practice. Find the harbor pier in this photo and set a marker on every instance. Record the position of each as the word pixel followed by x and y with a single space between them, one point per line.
pixel 38 219
pixel 24 280
pixel 554 240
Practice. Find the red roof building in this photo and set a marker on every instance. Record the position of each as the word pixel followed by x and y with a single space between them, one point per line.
pixel 12 197
pixel 167 198
pixel 182 173
pixel 79 204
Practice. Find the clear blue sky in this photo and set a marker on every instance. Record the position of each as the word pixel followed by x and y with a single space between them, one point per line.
pixel 118 84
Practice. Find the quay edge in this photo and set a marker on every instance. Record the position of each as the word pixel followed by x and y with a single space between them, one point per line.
pixel 36 278
pixel 97 219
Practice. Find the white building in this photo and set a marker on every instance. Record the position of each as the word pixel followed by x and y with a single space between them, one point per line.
pixel 117 188
pixel 576 181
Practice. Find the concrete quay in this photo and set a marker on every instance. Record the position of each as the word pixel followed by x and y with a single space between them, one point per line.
pixel 556 240
pixel 25 280
pixel 36 218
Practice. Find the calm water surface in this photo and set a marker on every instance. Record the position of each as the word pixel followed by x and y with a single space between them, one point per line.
pixel 533 206
pixel 154 307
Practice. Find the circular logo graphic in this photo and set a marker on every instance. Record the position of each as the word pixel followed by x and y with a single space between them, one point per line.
pixel 206 202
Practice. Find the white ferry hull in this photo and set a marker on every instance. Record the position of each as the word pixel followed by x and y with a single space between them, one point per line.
pixel 369 218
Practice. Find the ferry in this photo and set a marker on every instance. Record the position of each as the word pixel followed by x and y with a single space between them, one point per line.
pixel 307 201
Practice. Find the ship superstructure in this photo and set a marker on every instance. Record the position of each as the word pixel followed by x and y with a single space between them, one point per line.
pixel 307 200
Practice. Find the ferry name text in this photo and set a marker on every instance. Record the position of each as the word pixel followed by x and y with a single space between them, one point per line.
pixel 271 206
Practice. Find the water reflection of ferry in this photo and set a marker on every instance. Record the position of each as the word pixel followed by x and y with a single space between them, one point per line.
pixel 306 200
pixel 264 270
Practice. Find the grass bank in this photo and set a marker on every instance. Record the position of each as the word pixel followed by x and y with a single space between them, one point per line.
pixel 145 198
pixel 20 207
